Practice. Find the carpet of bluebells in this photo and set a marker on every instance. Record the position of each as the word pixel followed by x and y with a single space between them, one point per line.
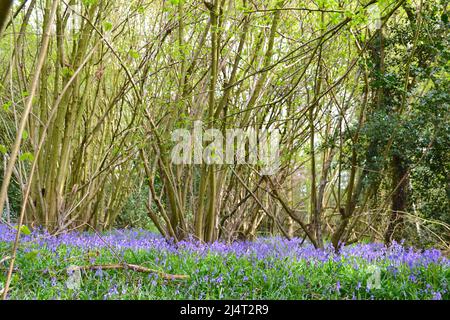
pixel 268 268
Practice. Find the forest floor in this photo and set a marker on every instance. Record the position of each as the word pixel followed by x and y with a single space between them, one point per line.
pixel 136 264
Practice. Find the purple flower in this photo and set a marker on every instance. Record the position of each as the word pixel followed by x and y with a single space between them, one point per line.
pixel 437 296
pixel 112 291
pixel 99 273
pixel 265 254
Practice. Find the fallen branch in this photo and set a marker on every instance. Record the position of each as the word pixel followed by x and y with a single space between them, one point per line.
pixel 133 267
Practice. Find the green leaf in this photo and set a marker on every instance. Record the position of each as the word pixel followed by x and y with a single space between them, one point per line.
pixel 134 54
pixel 363 36
pixel 24 229
pixel 25 135
pixel 67 72
pixel 141 10
pixel 88 3
pixel 107 25
pixel 32 254
pixel 7 105
pixel 27 156
pixel 3 149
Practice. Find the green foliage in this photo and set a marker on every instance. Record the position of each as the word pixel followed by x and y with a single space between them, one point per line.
pixel 134 212
pixel 410 122
pixel 134 54
pixel 24 229
pixel 6 106
pixel 107 26
pixel 89 3
pixel 67 72
pixel 27 156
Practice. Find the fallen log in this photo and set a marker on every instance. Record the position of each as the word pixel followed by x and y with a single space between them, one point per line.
pixel 133 267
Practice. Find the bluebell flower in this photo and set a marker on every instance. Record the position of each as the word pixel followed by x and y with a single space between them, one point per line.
pixel 437 296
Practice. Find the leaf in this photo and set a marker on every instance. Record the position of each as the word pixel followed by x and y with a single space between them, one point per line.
pixel 3 149
pixel 363 36
pixel 107 25
pixel 32 254
pixel 24 229
pixel 7 105
pixel 27 156
pixel 134 54
pixel 25 135
pixel 67 72
pixel 141 10
pixel 88 3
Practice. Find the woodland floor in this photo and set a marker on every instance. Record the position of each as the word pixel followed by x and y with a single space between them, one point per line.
pixel 75 266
